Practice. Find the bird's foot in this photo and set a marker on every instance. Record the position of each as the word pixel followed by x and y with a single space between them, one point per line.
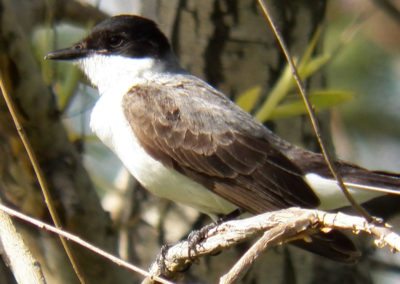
pixel 161 262
pixel 196 237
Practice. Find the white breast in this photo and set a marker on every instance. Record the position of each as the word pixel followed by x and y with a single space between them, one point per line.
pixel 110 125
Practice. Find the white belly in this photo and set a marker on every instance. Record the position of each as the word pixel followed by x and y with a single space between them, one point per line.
pixel 332 197
pixel 111 126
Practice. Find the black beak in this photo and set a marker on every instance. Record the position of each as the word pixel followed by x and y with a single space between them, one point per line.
pixel 71 53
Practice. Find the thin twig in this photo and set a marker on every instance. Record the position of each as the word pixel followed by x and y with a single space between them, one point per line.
pixel 310 110
pixel 40 176
pixel 270 238
pixel 83 243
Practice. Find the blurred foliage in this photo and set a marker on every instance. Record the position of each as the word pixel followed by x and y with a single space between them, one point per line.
pixel 366 69
pixel 293 105
pixel 369 66
pixel 67 75
pixel 323 99
pixel 309 65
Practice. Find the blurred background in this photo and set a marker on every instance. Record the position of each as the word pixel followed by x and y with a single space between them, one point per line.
pixel 228 44
pixel 369 66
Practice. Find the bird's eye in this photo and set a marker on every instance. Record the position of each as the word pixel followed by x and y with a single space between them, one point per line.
pixel 78 46
pixel 116 41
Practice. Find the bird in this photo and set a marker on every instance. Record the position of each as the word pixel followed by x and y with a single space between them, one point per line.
pixel 185 141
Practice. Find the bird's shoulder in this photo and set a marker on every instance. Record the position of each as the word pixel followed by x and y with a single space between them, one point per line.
pixel 186 103
pixel 191 127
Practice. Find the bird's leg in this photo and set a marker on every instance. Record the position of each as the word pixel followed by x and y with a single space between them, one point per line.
pixel 197 236
pixel 161 259
pixel 230 216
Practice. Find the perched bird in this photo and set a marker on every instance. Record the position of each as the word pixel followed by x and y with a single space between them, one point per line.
pixel 185 141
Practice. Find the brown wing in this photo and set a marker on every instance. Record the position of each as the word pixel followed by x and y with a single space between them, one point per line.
pixel 199 132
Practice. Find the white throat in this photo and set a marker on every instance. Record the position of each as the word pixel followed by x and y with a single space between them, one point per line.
pixel 117 74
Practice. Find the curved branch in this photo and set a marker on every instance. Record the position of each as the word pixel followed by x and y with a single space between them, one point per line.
pixel 277 227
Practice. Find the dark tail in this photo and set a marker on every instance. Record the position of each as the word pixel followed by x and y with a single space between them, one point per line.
pixel 379 179
pixel 333 245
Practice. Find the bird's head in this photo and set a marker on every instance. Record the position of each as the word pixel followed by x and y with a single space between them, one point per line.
pixel 121 46
pixel 124 35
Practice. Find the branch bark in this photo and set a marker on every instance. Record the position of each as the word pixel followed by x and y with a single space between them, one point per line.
pixel 277 228
pixel 25 267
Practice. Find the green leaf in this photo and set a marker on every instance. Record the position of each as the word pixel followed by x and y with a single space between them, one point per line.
pixel 319 99
pixel 310 48
pixel 314 64
pixel 66 90
pixel 306 66
pixel 248 99
pixel 277 94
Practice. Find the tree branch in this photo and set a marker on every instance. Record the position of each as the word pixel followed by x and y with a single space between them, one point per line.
pixel 23 265
pixel 75 239
pixel 277 227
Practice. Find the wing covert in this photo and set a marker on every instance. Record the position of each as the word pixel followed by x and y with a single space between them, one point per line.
pixel 196 130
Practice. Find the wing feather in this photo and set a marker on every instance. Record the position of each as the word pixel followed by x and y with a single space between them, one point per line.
pixel 199 132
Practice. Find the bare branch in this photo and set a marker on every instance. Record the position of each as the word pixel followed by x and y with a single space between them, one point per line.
pixel 39 174
pixel 384 236
pixel 278 227
pixel 24 267
pixel 75 239
pixel 270 238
